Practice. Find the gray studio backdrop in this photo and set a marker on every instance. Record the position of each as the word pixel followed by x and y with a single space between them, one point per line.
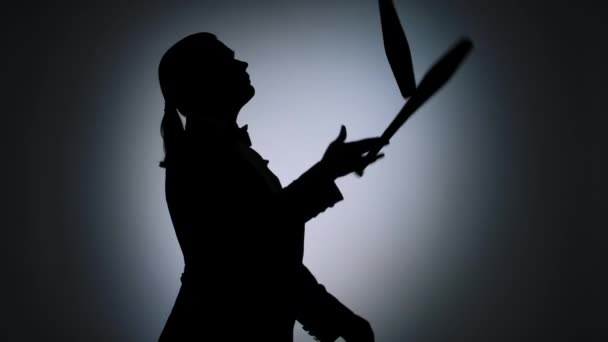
pixel 458 233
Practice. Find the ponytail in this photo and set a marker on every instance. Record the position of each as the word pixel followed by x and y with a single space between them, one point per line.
pixel 177 75
pixel 172 132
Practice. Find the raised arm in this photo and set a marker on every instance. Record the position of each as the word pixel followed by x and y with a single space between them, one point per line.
pixel 313 192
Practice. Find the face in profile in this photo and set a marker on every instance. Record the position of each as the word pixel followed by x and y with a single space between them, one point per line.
pixel 200 71
pixel 231 75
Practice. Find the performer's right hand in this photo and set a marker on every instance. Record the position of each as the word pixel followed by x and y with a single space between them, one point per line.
pixel 342 158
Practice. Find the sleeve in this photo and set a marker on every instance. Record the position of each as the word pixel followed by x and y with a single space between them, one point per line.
pixel 311 194
pixel 321 314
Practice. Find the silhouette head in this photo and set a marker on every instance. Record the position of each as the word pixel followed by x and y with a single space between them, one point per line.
pixel 199 75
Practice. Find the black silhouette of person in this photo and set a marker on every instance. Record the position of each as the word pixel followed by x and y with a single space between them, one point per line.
pixel 240 231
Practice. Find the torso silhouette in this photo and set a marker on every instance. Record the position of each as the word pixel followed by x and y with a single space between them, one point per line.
pixel 242 237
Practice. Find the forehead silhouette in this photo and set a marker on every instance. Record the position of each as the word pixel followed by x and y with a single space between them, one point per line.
pixel 194 50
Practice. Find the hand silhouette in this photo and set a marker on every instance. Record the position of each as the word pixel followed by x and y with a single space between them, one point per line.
pixel 342 158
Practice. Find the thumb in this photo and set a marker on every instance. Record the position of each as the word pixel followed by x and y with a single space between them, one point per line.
pixel 342 136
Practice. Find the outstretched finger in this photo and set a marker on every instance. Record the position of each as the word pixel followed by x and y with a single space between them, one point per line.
pixel 366 161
